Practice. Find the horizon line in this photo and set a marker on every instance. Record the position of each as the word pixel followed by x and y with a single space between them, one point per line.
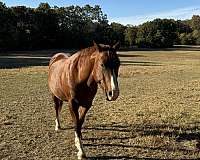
pixel 176 14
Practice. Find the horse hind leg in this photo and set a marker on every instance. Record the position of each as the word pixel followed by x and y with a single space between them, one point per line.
pixel 58 106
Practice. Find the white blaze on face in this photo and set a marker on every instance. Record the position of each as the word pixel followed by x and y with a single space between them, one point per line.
pixel 114 87
pixel 114 84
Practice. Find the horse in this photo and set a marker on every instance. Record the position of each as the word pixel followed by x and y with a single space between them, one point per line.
pixel 75 79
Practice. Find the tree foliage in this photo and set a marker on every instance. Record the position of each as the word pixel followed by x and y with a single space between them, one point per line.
pixel 7 27
pixel 117 32
pixel 195 22
pixel 191 33
pixel 130 35
pixel 47 27
pixel 158 33
pixel 76 27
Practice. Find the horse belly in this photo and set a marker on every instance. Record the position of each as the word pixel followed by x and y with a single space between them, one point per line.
pixel 54 81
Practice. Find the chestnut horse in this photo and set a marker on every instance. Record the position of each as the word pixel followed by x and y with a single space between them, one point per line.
pixel 75 79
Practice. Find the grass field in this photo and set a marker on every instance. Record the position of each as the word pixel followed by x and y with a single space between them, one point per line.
pixel 157 115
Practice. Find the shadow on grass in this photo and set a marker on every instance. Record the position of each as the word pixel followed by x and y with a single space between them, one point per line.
pixel 139 63
pixel 9 63
pixel 190 133
pixel 117 157
pixel 129 55
pixel 190 137
pixel 175 48
pixel 126 132
pixel 18 59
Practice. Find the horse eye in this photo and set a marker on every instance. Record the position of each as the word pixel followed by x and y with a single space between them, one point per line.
pixel 102 65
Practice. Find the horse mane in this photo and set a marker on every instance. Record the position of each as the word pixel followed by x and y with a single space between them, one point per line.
pixel 92 49
pixel 87 51
pixel 83 53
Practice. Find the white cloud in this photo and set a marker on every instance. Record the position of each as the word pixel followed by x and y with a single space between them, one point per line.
pixel 178 14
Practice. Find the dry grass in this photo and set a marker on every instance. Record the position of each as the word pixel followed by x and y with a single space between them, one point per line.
pixel 157 115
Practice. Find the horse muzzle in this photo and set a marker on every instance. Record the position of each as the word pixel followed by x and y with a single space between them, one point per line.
pixel 112 95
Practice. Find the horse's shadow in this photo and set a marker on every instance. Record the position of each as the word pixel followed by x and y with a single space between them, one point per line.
pixel 132 131
pixel 116 157
pixel 190 137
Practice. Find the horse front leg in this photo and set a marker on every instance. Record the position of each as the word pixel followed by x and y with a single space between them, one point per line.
pixel 82 114
pixel 74 107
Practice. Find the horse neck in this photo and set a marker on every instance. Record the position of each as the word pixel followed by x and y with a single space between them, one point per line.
pixel 85 67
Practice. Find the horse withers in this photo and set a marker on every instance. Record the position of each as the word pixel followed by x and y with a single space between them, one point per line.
pixel 75 79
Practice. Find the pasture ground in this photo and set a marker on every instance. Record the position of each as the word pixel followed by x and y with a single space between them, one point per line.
pixel 157 115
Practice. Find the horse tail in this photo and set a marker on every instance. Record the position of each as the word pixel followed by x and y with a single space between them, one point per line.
pixel 58 57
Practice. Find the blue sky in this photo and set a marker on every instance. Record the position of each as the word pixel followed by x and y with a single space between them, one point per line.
pixel 128 11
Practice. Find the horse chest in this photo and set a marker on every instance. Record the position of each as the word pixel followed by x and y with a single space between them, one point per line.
pixel 85 94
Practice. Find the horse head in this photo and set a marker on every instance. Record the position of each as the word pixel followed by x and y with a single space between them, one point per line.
pixel 105 70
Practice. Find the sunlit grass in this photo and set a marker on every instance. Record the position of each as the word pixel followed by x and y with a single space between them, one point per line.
pixel 156 116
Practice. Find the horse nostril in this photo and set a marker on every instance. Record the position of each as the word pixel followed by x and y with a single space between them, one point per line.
pixel 110 93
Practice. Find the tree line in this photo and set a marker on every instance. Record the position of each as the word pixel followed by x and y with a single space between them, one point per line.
pixel 47 27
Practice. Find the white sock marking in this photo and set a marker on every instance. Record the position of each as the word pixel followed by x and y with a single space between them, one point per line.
pixel 57 125
pixel 79 146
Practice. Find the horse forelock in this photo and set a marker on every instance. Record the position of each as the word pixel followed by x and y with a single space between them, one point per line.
pixel 111 57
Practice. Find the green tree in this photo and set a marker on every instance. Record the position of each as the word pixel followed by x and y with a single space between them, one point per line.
pixel 117 32
pixel 196 37
pixel 157 33
pixel 183 26
pixel 186 39
pixel 78 26
pixel 130 35
pixel 23 25
pixel 7 27
pixel 195 22
pixel 45 27
pixel 192 34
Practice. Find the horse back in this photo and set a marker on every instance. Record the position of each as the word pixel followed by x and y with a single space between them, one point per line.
pixel 57 57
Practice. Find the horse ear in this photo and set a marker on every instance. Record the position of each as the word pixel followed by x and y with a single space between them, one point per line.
pixel 116 46
pixel 97 46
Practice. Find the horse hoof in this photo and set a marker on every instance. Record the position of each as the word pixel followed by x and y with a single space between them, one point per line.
pixel 57 128
pixel 82 157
